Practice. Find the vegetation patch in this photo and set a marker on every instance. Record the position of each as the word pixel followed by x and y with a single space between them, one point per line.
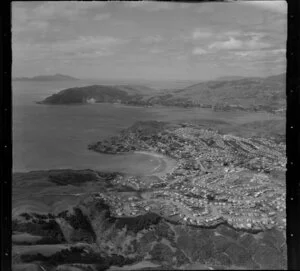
pixel 138 223
pixel 72 177
pixel 81 224
pixel 49 229
pixel 78 255
pixel 162 253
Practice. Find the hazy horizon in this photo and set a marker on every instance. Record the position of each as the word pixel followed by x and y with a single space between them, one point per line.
pixel 149 40
pixel 97 79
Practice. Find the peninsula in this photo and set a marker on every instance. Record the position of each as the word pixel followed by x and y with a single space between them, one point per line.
pixel 246 94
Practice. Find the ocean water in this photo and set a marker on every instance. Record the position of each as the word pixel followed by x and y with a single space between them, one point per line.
pixel 51 137
pixel 57 136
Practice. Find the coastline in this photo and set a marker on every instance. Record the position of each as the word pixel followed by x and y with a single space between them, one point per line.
pixel 165 166
pixel 155 154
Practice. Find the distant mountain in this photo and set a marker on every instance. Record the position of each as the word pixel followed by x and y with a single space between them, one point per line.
pixel 90 94
pixel 55 77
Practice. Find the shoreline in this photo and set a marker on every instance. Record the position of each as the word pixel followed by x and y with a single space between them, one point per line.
pixel 151 153
pixel 166 162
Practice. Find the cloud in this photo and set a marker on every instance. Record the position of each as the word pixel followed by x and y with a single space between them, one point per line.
pixel 83 32
pixel 235 36
pixel 197 34
pixel 255 43
pixel 205 8
pixel 84 47
pixel 261 53
pixel 155 6
pixel 148 6
pixel 101 17
pixel 199 51
pixel 182 57
pixel 156 51
pixel 278 6
pixel 89 45
pixel 26 17
pixel 201 34
pixel 20 18
pixel 279 51
pixel 232 33
pixel 69 9
pixel 234 43
pixel 152 39
pixel 49 21
pixel 30 26
pixel 38 25
pixel 19 15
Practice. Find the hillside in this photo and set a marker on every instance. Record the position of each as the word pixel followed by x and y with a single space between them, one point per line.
pixel 126 94
pixel 241 94
pixel 268 128
pixel 251 94
pixel 137 89
pixel 229 78
pixel 70 225
pixel 55 77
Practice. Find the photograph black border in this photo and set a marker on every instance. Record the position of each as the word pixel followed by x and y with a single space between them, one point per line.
pixel 6 136
pixel 292 134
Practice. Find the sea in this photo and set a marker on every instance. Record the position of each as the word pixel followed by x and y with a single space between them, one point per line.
pixel 56 136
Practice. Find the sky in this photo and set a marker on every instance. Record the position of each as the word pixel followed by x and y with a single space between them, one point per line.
pixel 149 40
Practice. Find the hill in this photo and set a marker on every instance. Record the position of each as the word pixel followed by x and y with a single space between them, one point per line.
pixel 126 94
pixel 137 89
pixel 89 94
pixel 55 77
pixel 241 94
pixel 84 232
pixel 229 78
pixel 233 93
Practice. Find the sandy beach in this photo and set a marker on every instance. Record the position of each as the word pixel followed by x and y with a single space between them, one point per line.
pixel 165 165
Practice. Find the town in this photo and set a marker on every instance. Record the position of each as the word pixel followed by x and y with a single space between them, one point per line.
pixel 217 179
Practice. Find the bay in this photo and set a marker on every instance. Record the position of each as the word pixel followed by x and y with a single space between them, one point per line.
pixel 56 136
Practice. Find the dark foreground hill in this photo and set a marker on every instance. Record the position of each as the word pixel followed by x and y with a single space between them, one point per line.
pixel 69 232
